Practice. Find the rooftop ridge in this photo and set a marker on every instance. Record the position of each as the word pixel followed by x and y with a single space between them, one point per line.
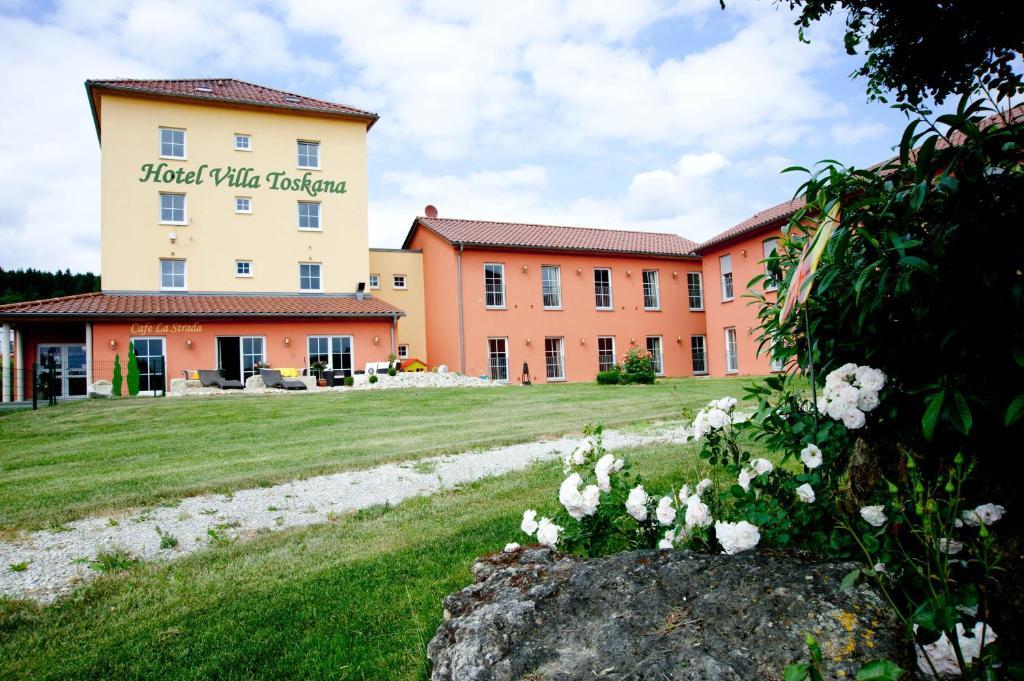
pixel 550 226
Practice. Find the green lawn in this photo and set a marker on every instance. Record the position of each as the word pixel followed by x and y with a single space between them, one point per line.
pixel 69 461
pixel 354 599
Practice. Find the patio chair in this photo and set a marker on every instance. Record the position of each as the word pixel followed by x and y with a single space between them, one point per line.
pixel 272 379
pixel 211 378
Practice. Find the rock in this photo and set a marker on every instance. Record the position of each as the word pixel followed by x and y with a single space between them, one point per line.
pixel 255 383
pixel 101 389
pixel 310 381
pixel 442 369
pixel 178 386
pixel 536 614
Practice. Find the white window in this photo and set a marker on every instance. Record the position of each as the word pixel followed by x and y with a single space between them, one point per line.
pixel 726 265
pixel 243 268
pixel 334 351
pixel 172 209
pixel 309 215
pixel 309 276
pixel 399 281
pixel 253 351
pixel 309 155
pixel 403 351
pixel 695 288
pixel 243 143
pixel 732 364
pixel 657 359
pixel 652 293
pixel 243 204
pixel 172 143
pixel 551 286
pixel 605 352
pixel 554 359
pixel 494 285
pixel 603 288
pixel 771 247
pixel 497 358
pixel 374 281
pixel 172 275
pixel 699 354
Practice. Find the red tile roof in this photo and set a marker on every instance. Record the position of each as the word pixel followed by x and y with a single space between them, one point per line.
pixel 227 90
pixel 553 237
pixel 777 215
pixel 90 305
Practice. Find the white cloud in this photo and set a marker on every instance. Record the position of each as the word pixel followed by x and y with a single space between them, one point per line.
pixel 852 133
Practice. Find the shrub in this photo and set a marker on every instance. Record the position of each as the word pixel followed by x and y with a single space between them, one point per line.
pixel 117 380
pixel 611 376
pixel 373 378
pixel 638 366
pixel 392 371
pixel 133 371
pixel 350 381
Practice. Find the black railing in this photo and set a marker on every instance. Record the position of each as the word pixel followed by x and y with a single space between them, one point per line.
pixel 48 382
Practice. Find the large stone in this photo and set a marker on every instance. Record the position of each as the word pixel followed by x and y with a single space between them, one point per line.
pixel 535 614
pixel 178 386
pixel 101 389
pixel 255 383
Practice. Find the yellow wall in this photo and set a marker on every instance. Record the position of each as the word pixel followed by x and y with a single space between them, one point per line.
pixel 411 327
pixel 133 240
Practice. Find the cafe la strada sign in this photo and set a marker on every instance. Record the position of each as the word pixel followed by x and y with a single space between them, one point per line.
pixel 142 329
pixel 240 177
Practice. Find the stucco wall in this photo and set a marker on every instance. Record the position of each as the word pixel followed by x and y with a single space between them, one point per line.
pixel 133 240
pixel 440 299
pixel 411 327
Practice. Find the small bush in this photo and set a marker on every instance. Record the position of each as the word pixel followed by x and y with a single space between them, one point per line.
pixel 373 378
pixel 167 540
pixel 350 381
pixel 113 561
pixel 611 376
pixel 638 367
pixel 19 567
pixel 392 371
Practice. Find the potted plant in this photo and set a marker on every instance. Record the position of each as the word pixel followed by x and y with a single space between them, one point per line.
pixel 318 367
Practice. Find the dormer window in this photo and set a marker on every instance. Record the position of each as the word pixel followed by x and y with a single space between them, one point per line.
pixel 203 89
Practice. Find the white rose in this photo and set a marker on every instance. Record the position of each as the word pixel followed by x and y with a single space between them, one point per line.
pixel 569 495
pixel 726 403
pixel 513 546
pixel 853 418
pixel 761 466
pixel 848 395
pixel 867 400
pixel 668 542
pixel 697 513
pixel 874 515
pixel 950 546
pixel 836 409
pixel 870 379
pixel 591 498
pixel 717 419
pixel 942 656
pixel 684 493
pixel 986 514
pixel 744 479
pixel 704 485
pixel 737 537
pixel 811 456
pixel 805 493
pixel 548 532
pixel 529 525
pixel 822 404
pixel 665 512
pixel 636 503
pixel 603 470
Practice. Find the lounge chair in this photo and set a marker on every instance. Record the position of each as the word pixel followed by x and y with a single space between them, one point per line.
pixel 210 378
pixel 272 379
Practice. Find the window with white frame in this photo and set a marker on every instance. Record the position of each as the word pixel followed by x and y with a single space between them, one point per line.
pixel 605 352
pixel 309 215
pixel 243 204
pixel 652 292
pixel 657 358
pixel 771 248
pixel 334 351
pixel 309 155
pixel 403 351
pixel 699 354
pixel 551 286
pixel 695 289
pixel 497 358
pixel 243 142
pixel 172 275
pixel 494 285
pixel 172 143
pixel 732 364
pixel 554 359
pixel 253 352
pixel 399 281
pixel 374 281
pixel 309 276
pixel 172 209
pixel 243 268
pixel 603 288
pixel 725 263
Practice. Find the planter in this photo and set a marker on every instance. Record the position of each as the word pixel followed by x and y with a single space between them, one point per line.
pixel 322 382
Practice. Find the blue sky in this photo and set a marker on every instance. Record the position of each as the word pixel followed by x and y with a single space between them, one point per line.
pixel 659 115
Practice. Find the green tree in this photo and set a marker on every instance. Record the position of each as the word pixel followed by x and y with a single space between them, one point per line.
pixel 117 380
pixel 133 371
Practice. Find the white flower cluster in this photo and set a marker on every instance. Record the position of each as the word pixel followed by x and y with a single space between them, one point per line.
pixel 943 656
pixel 580 454
pixel 757 467
pixel 717 415
pixel 850 392
pixel 547 532
pixel 986 514
pixel 737 537
pixel 636 503
pixel 576 503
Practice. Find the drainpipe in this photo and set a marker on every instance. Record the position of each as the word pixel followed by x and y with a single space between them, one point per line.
pixel 5 356
pixel 462 322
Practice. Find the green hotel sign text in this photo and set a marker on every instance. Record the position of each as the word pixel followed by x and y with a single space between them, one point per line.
pixel 246 178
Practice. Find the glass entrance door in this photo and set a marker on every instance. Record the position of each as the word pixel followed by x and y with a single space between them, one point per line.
pixel 149 353
pixel 63 366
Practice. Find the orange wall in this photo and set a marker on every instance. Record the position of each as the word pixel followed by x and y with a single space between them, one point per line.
pixel 203 353
pixel 525 318
pixel 747 256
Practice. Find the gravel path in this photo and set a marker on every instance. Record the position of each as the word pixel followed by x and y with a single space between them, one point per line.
pixel 45 565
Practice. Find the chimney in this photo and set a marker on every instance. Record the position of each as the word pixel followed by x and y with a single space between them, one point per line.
pixel 430 211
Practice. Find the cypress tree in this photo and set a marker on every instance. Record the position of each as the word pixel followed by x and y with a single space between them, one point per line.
pixel 117 380
pixel 133 371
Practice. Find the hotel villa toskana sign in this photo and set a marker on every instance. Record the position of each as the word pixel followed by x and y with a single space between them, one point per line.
pixel 242 177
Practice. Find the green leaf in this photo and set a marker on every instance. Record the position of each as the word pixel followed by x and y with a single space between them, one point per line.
pixel 963 420
pixel 797 672
pixel 849 580
pixel 879 670
pixel 931 414
pixel 919 263
pixel 1015 411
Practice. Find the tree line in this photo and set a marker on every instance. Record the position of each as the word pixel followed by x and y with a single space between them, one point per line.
pixel 31 284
